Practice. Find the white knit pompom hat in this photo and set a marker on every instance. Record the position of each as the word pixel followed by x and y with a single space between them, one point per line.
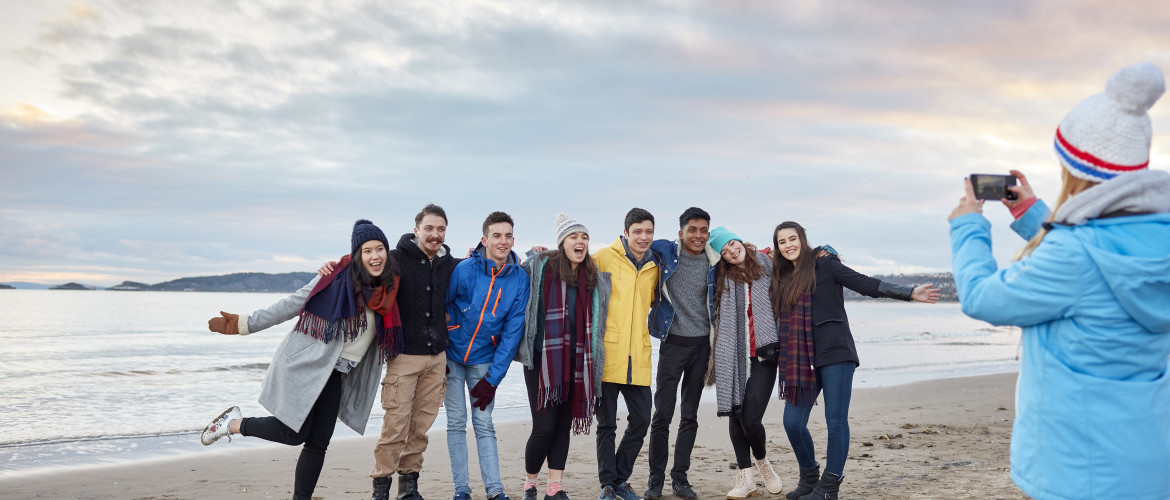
pixel 567 225
pixel 1109 134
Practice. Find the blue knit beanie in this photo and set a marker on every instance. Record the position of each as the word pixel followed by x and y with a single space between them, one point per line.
pixel 720 237
pixel 363 231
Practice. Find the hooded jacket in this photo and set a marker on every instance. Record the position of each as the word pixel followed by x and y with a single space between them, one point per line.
pixel 627 333
pixel 487 313
pixel 1093 397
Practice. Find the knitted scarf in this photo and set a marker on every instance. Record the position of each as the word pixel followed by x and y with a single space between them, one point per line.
pixel 798 383
pixel 334 311
pixel 743 323
pixel 558 368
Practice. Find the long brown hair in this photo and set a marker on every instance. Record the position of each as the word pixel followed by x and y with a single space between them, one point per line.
pixel 559 263
pixel 1070 185
pixel 790 280
pixel 751 271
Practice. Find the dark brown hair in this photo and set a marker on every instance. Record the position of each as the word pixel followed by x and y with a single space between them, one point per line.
pixel 430 209
pixel 788 280
pixel 559 263
pixel 496 218
pixel 362 278
pixel 751 271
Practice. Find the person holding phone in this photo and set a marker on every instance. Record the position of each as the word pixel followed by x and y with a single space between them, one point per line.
pixel 817 349
pixel 1091 290
pixel 330 364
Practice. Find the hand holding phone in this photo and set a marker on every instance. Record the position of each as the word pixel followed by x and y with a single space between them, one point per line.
pixel 993 187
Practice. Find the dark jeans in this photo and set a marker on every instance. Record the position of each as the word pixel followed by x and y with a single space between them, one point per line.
pixel 550 428
pixel 315 434
pixel 676 363
pixel 747 429
pixel 613 469
pixel 836 380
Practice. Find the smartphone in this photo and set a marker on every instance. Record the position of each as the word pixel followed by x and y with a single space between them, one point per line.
pixel 993 187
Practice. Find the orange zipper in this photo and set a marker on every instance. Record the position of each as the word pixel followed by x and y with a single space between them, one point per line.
pixel 491 286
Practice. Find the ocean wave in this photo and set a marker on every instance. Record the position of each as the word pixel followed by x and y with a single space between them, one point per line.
pixel 149 373
pixel 925 336
pixel 65 440
pixel 919 365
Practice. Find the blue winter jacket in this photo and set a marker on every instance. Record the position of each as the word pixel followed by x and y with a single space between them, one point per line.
pixel 1093 400
pixel 486 309
pixel 662 312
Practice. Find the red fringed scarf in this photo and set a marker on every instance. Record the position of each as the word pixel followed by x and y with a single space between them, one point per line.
pixel 798 384
pixel 334 311
pixel 556 356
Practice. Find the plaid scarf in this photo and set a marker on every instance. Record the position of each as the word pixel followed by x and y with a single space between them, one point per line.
pixel 557 367
pixel 798 383
pixel 334 311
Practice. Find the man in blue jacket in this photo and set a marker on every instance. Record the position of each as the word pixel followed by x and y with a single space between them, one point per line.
pixel 485 304
pixel 682 319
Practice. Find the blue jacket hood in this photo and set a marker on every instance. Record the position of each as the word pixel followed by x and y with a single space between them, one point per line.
pixel 1135 264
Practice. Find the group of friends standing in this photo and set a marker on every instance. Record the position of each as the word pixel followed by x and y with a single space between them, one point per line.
pixel 1093 417
pixel 726 314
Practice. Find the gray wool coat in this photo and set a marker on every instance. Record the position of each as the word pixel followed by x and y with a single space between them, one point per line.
pixel 303 364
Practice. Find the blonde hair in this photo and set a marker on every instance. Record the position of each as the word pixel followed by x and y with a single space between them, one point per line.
pixel 1070 186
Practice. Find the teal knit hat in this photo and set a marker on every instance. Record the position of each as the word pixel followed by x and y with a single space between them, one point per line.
pixel 720 237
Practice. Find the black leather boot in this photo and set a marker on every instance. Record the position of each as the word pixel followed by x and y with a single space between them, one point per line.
pixel 382 488
pixel 408 487
pixel 826 489
pixel 808 480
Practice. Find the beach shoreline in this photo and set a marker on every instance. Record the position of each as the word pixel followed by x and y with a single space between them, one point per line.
pixel 944 438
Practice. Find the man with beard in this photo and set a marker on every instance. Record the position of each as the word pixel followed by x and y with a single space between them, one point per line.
pixel 413 388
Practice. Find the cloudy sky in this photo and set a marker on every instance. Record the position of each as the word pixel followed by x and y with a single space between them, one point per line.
pixel 148 141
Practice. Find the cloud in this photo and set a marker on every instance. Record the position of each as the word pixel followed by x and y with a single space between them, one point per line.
pixel 208 137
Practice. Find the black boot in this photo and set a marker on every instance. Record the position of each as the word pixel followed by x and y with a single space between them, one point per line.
pixel 408 487
pixel 826 489
pixel 808 480
pixel 382 488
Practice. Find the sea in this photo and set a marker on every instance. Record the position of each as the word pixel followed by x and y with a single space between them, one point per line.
pixel 99 377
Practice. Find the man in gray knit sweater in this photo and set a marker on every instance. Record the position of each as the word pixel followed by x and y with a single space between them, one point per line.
pixel 682 319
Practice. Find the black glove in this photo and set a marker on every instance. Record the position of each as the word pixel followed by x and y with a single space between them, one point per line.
pixel 769 353
pixel 483 393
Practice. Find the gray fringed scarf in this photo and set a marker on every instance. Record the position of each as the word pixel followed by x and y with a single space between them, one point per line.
pixel 729 364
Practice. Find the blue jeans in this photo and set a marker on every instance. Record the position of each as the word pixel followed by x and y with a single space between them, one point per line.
pixel 836 381
pixel 464 376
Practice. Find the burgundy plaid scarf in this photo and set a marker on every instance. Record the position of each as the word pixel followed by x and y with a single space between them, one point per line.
pixel 555 362
pixel 334 311
pixel 798 384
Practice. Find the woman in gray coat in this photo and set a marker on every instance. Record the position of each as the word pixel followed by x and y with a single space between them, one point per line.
pixel 329 365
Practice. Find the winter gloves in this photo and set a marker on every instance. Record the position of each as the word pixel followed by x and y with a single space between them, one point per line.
pixel 483 393
pixel 227 324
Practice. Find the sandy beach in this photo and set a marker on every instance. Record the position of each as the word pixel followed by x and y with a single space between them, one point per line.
pixel 936 439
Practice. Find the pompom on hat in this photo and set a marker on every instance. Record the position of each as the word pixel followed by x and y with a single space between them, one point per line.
pixel 1109 134
pixel 567 225
pixel 363 231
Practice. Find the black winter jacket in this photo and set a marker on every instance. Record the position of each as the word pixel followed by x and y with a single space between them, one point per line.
pixel 422 296
pixel 832 339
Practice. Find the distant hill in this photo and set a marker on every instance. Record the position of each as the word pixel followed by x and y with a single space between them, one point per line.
pixel 130 286
pixel 6 287
pixel 943 281
pixel 72 286
pixel 24 285
pixel 238 282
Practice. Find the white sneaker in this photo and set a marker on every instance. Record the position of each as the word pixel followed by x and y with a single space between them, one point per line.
pixel 744 485
pixel 769 476
pixel 221 426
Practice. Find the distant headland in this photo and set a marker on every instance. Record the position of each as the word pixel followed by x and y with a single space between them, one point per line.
pixel 291 282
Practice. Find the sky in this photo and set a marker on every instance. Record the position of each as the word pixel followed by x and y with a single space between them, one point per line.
pixel 149 141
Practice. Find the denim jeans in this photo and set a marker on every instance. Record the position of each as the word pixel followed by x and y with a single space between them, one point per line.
pixel 836 380
pixel 459 382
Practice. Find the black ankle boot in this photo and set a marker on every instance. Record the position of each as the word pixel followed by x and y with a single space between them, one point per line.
pixel 808 480
pixel 408 487
pixel 382 488
pixel 826 489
